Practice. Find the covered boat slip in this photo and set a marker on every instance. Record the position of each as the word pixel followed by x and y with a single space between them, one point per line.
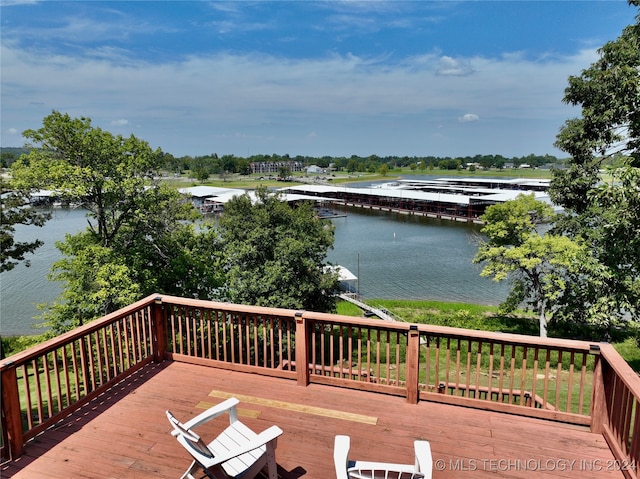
pixel 436 199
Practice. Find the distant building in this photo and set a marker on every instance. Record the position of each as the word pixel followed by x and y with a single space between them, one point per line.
pixel 315 170
pixel 261 167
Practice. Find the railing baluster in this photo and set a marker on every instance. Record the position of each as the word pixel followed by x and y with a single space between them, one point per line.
pixel 397 357
pixel 38 388
pixel 570 384
pixel 27 390
pixel 447 365
pixel 478 368
pixel 256 362
pixel 378 353
pixel 534 377
pixel 558 379
pixel 65 372
pixel 512 371
pixel 547 366
pixel 47 381
pixel 437 362
pixel 523 377
pixel 490 373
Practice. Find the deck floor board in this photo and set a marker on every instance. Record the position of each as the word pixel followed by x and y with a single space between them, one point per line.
pixel 125 434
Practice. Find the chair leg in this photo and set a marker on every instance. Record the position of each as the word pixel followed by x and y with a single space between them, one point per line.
pixel 272 466
pixel 192 469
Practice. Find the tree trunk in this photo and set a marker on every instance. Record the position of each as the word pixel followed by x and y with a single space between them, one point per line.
pixel 543 320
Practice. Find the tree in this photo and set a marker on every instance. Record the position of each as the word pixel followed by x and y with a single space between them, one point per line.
pixel 284 172
pixel 139 239
pixel 536 264
pixel 201 168
pixel 274 253
pixel 604 215
pixel 15 209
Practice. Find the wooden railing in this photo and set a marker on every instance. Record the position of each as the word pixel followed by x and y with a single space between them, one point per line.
pixel 615 413
pixel 561 380
pixel 47 382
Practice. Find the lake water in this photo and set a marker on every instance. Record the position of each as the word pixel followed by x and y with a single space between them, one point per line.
pixel 399 256
pixel 395 256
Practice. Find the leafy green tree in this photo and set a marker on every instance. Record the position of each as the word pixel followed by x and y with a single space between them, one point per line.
pixel 15 209
pixel 275 253
pixel 604 215
pixel 537 265
pixel 140 238
pixel 201 167
pixel 109 175
pixel 284 172
pixel 352 166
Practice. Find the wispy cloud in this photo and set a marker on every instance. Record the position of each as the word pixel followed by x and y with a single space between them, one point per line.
pixel 468 117
pixel 14 3
pixel 223 90
pixel 448 66
pixel 309 77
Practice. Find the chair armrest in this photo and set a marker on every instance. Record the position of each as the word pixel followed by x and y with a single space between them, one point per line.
pixel 260 440
pixel 341 446
pixel 213 412
pixel 424 461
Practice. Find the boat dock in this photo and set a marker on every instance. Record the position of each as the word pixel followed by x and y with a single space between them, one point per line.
pixel 382 314
pixel 458 199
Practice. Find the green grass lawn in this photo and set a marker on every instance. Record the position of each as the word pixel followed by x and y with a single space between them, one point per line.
pixel 252 181
pixel 474 316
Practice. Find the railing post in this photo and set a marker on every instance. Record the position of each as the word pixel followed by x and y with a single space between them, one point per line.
pixel 159 335
pixel 413 364
pixel 11 411
pixel 598 399
pixel 302 348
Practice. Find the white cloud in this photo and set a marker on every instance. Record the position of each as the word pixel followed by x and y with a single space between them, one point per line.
pixel 194 106
pixel 468 118
pixel 448 66
pixel 13 3
pixel 12 131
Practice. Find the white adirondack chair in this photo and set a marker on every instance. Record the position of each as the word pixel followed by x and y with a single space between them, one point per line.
pixel 346 469
pixel 237 451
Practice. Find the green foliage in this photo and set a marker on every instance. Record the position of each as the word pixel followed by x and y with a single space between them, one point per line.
pixel 604 215
pixel 458 315
pixel 537 265
pixel 14 344
pixel 140 237
pixel 630 351
pixel 112 176
pixel 16 210
pixel 275 253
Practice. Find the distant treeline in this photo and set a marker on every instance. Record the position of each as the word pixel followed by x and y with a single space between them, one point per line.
pixel 214 164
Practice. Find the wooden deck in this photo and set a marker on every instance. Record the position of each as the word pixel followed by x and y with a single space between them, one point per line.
pixel 125 434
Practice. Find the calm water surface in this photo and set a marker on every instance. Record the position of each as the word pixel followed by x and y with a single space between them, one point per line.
pixel 395 256
pixel 407 257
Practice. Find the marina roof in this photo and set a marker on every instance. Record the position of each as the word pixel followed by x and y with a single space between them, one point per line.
pixel 210 191
pixel 224 195
pixel 442 196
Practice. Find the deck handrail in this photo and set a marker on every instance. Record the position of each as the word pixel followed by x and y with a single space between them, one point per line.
pixel 564 380
pixel 616 412
pixel 50 380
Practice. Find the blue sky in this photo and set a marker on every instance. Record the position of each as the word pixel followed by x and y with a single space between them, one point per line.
pixel 452 78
